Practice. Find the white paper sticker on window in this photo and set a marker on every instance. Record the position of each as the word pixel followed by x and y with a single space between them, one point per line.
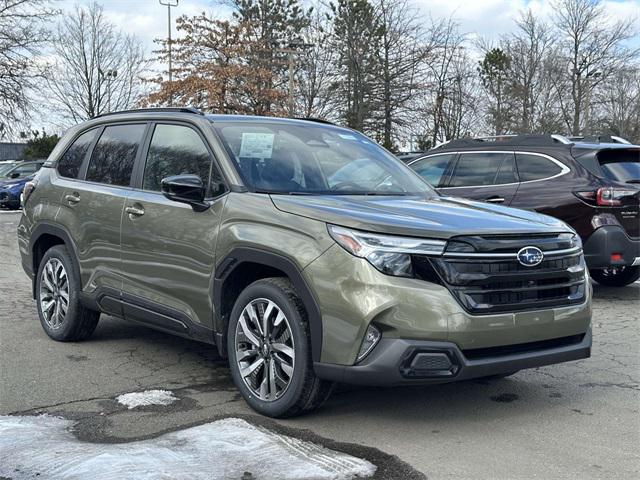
pixel 256 145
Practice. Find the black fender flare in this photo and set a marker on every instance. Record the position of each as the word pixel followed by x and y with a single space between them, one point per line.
pixel 46 228
pixel 241 255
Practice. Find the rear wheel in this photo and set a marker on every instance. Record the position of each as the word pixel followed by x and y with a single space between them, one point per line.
pixel 616 276
pixel 269 351
pixel 61 314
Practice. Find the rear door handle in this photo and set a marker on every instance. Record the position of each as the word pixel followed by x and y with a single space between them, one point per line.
pixel 72 198
pixel 134 211
pixel 495 200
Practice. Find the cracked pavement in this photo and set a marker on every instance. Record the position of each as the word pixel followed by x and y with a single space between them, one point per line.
pixel 575 420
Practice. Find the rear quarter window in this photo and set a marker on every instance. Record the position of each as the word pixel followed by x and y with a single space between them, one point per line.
pixel 536 167
pixel 70 163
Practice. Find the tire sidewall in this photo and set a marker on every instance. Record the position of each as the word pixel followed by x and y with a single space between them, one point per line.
pixel 261 289
pixel 60 253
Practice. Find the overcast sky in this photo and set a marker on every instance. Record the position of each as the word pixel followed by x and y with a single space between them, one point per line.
pixel 486 18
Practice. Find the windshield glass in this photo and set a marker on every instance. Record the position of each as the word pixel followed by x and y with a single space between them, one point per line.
pixel 621 165
pixel 307 158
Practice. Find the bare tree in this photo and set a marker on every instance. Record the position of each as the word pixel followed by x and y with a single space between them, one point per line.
pixel 619 104
pixel 528 48
pixel 22 34
pixel 593 47
pixel 97 68
pixel 317 66
pixel 402 50
pixel 448 81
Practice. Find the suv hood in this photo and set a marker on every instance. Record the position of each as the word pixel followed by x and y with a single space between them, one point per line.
pixel 438 217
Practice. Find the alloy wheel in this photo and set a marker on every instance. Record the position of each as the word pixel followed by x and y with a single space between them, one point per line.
pixel 54 293
pixel 264 349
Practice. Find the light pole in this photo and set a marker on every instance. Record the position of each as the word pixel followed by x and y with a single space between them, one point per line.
pixel 109 75
pixel 587 109
pixel 169 4
pixel 295 45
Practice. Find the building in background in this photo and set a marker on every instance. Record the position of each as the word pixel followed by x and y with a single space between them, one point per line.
pixel 11 150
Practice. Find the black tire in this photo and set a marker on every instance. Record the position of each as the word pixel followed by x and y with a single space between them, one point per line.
pixel 79 322
pixel 305 391
pixel 619 277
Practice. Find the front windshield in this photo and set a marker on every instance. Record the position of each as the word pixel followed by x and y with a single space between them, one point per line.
pixel 307 158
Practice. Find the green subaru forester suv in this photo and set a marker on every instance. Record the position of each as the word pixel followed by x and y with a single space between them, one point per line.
pixel 305 252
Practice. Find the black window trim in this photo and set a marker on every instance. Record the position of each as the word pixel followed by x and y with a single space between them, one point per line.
pixel 137 176
pixel 564 168
pixel 82 175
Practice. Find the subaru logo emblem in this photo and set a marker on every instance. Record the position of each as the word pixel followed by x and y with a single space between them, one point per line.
pixel 530 256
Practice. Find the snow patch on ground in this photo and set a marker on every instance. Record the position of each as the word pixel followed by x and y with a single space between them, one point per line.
pixel 219 450
pixel 148 397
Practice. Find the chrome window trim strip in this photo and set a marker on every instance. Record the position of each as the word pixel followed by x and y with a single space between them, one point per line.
pixel 563 167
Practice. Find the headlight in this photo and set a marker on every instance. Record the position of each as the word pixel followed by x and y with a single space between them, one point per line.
pixel 388 253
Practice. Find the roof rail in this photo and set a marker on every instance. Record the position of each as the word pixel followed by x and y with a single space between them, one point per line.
pixel 157 110
pixel 316 120
pixel 514 140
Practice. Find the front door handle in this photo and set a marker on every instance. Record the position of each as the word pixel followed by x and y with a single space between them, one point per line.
pixel 72 198
pixel 134 211
pixel 495 200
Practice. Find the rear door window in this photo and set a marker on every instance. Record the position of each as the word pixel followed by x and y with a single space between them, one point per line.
pixel 115 153
pixel 478 168
pixel 70 163
pixel 535 167
pixel 433 169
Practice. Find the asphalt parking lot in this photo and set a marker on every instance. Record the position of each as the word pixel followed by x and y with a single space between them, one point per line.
pixel 576 420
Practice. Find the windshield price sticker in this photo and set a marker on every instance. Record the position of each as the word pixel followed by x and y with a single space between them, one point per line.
pixel 256 145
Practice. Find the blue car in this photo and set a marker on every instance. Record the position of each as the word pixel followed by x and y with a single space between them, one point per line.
pixel 13 181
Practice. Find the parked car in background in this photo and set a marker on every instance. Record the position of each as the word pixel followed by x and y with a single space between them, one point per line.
pixel 594 187
pixel 276 240
pixel 406 157
pixel 13 181
pixel 6 165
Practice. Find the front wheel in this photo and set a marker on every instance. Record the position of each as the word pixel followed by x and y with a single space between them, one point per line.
pixel 616 276
pixel 269 351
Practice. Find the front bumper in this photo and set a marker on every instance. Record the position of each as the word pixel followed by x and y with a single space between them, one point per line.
pixel 608 240
pixel 412 362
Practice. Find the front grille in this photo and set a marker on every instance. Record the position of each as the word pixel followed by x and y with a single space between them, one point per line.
pixel 494 282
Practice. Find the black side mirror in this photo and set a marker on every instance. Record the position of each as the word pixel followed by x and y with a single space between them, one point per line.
pixel 15 175
pixel 186 189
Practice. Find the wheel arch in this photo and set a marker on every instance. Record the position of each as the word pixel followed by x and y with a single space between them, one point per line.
pixel 43 237
pixel 241 267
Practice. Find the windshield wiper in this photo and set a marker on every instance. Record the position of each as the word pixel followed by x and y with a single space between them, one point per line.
pixel 633 180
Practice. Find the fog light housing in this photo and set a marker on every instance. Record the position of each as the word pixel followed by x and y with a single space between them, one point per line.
pixel 371 339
